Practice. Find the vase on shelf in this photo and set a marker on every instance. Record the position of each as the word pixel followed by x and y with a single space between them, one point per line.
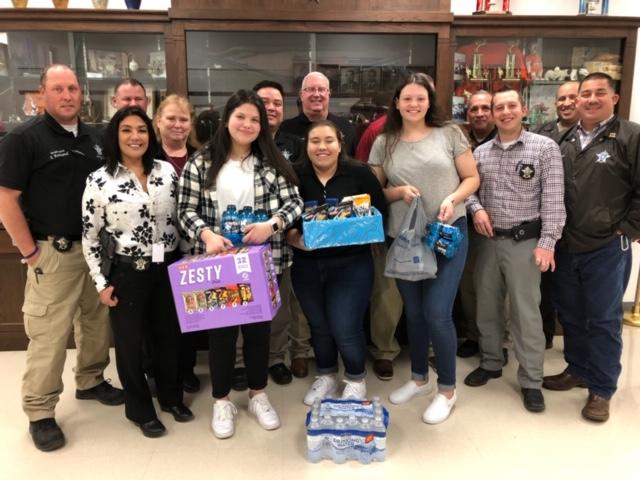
pixel 19 3
pixel 60 3
pixel 133 4
pixel 100 4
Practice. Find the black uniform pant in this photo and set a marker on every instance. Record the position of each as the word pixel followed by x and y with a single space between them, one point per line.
pixel 222 356
pixel 145 309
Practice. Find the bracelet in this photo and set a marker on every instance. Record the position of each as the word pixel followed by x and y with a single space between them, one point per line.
pixel 32 254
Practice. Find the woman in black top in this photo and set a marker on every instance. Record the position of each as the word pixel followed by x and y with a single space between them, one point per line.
pixel 333 285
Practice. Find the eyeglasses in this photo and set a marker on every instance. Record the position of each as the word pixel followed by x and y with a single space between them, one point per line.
pixel 320 90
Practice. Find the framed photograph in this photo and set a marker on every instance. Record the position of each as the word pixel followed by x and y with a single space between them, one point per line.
pixel 350 81
pixel 391 78
pixel 593 7
pixel 4 60
pixel 459 109
pixel 332 72
pixel 371 80
pixel 157 65
pixel 459 65
pixel 106 64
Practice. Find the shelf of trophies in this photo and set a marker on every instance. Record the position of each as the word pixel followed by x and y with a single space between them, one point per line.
pixel 533 66
pixel 100 60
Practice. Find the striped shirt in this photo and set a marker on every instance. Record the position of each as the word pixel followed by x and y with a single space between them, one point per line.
pixel 587 137
pixel 522 183
pixel 198 207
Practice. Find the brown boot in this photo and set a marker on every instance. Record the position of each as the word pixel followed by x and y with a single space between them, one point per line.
pixel 300 367
pixel 563 381
pixel 596 409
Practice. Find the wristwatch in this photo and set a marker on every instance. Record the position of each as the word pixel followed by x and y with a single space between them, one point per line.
pixel 275 226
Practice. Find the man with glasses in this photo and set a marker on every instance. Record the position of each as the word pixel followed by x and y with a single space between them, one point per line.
pixel 314 96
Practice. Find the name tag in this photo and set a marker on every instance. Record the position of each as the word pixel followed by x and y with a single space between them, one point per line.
pixel 157 253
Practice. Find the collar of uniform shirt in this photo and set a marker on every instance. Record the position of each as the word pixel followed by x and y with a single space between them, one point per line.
pixel 587 137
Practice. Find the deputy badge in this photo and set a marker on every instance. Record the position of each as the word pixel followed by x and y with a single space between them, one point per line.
pixel 286 154
pixel 98 150
pixel 61 244
pixel 526 171
pixel 602 157
pixel 141 264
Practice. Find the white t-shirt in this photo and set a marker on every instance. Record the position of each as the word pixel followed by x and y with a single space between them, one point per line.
pixel 235 184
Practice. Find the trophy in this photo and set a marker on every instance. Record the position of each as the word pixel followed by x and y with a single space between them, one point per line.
pixel 476 68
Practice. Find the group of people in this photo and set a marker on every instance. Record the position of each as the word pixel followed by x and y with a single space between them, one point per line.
pixel 69 194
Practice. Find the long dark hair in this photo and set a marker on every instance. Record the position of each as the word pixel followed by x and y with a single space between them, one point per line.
pixel 112 145
pixel 304 160
pixel 263 147
pixel 393 125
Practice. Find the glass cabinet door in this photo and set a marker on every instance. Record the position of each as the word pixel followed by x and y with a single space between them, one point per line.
pixel 363 69
pixel 535 67
pixel 100 61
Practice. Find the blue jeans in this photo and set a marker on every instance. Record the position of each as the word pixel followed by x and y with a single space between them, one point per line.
pixel 334 293
pixel 428 305
pixel 588 291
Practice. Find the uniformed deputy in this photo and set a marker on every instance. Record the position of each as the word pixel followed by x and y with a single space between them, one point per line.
pixel 314 96
pixel 519 212
pixel 602 183
pixel 43 167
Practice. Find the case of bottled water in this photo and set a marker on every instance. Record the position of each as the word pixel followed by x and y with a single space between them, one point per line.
pixel 342 430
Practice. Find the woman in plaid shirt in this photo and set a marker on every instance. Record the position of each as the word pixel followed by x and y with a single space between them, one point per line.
pixel 240 166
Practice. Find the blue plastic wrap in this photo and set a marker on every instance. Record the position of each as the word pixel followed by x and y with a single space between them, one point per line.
pixel 443 239
pixel 343 232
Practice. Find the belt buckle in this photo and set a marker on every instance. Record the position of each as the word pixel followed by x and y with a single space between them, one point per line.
pixel 62 244
pixel 141 264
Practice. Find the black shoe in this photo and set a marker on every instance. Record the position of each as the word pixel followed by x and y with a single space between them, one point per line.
pixel 467 349
pixel 104 393
pixel 46 434
pixel 151 383
pixel 190 382
pixel 533 399
pixel 152 429
pixel 280 374
pixel 505 354
pixel 180 412
pixel 239 382
pixel 480 377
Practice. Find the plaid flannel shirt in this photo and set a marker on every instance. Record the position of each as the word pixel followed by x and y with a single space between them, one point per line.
pixel 198 209
pixel 522 183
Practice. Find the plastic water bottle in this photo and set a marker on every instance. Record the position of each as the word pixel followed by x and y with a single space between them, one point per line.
pixel 260 216
pixel 231 224
pixel 246 217
pixel 342 430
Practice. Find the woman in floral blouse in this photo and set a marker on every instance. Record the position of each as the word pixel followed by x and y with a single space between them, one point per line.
pixel 241 165
pixel 133 197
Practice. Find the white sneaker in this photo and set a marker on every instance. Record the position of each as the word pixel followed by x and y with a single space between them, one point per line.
pixel 324 386
pixel 354 390
pixel 409 390
pixel 439 409
pixel 261 407
pixel 222 421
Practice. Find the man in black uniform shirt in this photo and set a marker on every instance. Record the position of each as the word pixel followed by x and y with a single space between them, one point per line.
pixel 314 95
pixel 43 167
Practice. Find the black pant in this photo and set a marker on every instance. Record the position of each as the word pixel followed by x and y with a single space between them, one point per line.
pixel 547 309
pixel 145 310
pixel 222 356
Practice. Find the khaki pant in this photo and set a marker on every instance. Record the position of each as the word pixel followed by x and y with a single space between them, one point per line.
pixel 386 309
pixel 62 295
pixel 506 269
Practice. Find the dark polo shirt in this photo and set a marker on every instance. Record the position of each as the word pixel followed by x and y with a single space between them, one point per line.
pixel 299 125
pixel 49 165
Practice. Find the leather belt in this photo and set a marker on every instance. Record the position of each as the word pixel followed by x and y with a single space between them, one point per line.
pixel 50 236
pixel 62 243
pixel 141 264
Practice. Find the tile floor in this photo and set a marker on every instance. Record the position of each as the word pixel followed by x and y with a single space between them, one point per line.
pixel 489 434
